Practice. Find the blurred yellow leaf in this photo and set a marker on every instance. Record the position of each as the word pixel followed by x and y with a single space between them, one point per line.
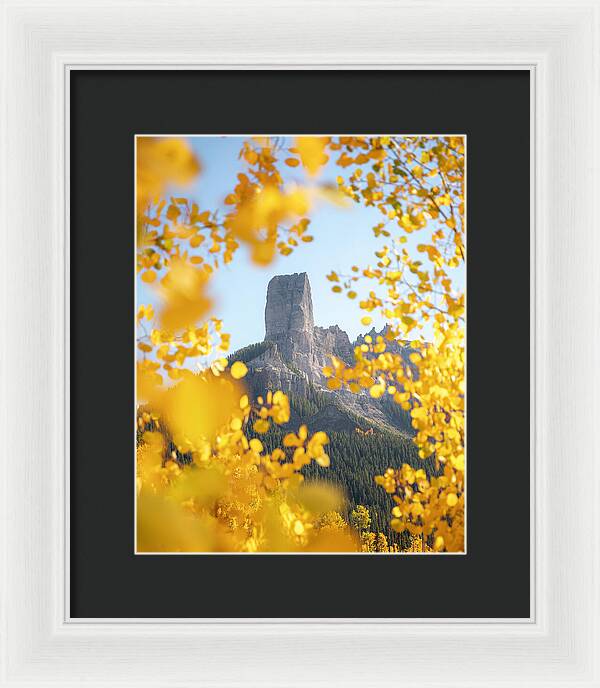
pixel 162 526
pixel 160 162
pixel 312 152
pixel 198 407
pixel 182 291
pixel 452 499
pixel 256 219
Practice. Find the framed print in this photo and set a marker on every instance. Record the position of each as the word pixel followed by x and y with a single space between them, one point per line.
pixel 299 360
pixel 309 426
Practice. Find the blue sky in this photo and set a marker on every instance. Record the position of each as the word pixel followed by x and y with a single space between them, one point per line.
pixel 343 237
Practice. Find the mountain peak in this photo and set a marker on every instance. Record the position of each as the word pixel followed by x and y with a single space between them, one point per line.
pixel 289 310
pixel 294 353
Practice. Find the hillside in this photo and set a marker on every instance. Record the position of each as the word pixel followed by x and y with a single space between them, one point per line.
pixel 367 435
pixel 291 358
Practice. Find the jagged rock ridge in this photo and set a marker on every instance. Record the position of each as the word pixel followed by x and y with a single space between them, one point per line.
pixel 292 356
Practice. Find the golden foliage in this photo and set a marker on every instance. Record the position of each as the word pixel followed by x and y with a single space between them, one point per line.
pixel 239 496
pixel 161 162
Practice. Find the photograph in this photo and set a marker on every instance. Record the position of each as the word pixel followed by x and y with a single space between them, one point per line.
pixel 300 344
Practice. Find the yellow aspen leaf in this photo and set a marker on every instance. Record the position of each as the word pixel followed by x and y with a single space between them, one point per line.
pixel 323 460
pixel 149 276
pixel 256 445
pixel 366 320
pixel 300 457
pixel 459 462
pixel 377 391
pixel 291 440
pixel 292 162
pixel 173 212
pixel 146 312
pixel 203 217
pixel 250 156
pixel 261 426
pixel 319 438
pixel 452 499
pixel 239 370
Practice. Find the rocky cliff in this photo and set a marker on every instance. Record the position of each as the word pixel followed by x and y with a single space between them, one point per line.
pixel 292 356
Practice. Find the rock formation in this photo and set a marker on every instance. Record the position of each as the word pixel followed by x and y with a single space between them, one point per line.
pixel 289 320
pixel 292 356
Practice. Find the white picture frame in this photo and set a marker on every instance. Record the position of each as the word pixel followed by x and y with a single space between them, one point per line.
pixel 42 41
